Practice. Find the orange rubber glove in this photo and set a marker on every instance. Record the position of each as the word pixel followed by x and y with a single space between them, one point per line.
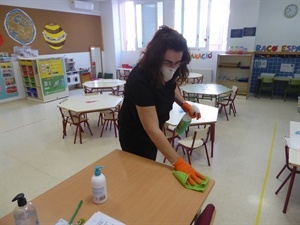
pixel 194 176
pixel 193 111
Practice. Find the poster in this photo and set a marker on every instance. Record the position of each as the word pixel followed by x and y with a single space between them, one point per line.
pixel 8 86
pixel 52 74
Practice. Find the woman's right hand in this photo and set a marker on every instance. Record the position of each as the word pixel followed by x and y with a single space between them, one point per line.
pixel 194 176
pixel 193 111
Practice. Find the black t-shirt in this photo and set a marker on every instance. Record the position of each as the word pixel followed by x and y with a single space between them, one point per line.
pixel 140 91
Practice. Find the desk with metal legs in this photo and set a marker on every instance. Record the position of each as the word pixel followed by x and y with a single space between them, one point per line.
pixel 88 104
pixel 293 148
pixel 101 85
pixel 205 89
pixel 276 79
pixel 209 116
pixel 195 78
pixel 140 191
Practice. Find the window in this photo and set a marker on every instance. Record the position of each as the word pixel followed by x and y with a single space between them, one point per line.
pixel 204 23
pixel 139 21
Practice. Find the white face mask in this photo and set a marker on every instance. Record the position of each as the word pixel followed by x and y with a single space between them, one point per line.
pixel 168 72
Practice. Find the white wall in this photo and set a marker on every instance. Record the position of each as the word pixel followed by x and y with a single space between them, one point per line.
pixel 266 15
pixel 243 13
pixel 273 28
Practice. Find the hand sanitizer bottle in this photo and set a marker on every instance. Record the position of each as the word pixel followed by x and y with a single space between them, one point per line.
pixel 99 186
pixel 25 212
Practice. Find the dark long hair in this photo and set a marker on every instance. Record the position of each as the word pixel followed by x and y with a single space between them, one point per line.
pixel 153 56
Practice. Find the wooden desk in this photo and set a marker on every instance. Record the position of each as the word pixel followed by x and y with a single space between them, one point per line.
pixel 295 129
pixel 293 145
pixel 281 79
pixel 140 191
pixel 90 103
pixel 103 85
pixel 205 89
pixel 195 77
pixel 209 116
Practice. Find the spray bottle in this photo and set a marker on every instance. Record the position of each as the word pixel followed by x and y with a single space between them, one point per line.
pixel 186 121
pixel 25 212
pixel 99 186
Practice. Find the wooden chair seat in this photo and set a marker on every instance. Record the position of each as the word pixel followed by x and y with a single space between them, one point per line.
pixel 198 139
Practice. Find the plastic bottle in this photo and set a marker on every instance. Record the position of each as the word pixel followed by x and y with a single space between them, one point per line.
pixel 186 121
pixel 25 212
pixel 99 186
pixel 230 50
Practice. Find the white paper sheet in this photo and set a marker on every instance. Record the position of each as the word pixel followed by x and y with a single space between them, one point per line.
pixel 100 218
pixel 293 142
pixel 62 222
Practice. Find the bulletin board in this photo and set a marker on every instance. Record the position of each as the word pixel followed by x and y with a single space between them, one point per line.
pixel 82 31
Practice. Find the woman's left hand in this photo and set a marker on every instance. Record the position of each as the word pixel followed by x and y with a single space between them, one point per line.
pixel 192 110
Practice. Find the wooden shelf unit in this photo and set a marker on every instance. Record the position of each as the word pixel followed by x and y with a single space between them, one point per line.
pixel 235 69
pixel 44 79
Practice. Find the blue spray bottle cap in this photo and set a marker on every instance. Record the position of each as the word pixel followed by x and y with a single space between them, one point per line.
pixel 98 170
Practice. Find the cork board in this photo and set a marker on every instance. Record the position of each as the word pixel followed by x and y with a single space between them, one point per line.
pixel 82 30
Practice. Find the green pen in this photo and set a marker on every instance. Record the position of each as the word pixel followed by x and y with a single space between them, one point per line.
pixel 75 212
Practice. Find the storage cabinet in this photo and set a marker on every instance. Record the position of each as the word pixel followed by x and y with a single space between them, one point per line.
pixel 72 74
pixel 44 79
pixel 235 69
pixel 8 86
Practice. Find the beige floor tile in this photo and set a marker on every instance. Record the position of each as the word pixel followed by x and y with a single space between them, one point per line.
pixel 34 157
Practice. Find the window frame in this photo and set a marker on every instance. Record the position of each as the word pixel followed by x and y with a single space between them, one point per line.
pixel 138 24
pixel 212 24
pixel 209 46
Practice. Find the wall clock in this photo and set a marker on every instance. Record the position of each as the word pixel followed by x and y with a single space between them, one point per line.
pixel 290 11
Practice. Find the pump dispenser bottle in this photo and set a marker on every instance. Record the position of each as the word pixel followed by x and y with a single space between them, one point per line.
pixel 25 212
pixel 186 121
pixel 99 186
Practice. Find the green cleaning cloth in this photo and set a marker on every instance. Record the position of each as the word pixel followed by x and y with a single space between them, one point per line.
pixel 182 178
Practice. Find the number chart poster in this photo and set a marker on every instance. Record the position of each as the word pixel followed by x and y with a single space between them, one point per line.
pixel 52 75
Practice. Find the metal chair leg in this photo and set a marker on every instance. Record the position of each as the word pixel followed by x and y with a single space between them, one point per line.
pixel 288 195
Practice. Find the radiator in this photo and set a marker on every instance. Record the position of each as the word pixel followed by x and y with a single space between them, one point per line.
pixel 208 74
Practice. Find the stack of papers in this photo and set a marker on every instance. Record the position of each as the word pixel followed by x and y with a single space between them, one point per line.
pixel 100 218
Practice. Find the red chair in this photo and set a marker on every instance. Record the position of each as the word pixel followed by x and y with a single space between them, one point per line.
pixel 72 118
pixel 225 101
pixel 293 171
pixel 207 216
pixel 171 135
pixel 110 117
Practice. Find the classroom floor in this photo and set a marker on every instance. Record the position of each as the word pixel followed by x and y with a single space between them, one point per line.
pixel 249 152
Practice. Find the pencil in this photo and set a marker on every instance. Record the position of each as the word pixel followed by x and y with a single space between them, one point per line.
pixel 75 212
